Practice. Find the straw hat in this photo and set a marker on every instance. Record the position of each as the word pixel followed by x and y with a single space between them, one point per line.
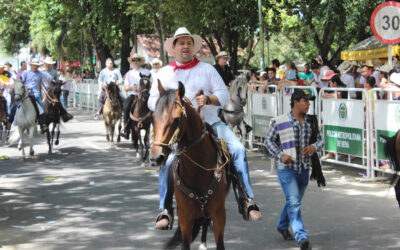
pixel 156 60
pixel 222 54
pixel 373 62
pixel 135 56
pixel 346 66
pixel 35 61
pixel 395 78
pixel 384 68
pixel 182 32
pixel 328 75
pixel 49 60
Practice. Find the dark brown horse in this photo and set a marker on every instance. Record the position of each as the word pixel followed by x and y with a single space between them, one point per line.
pixel 51 106
pixel 392 151
pixel 141 118
pixel 200 179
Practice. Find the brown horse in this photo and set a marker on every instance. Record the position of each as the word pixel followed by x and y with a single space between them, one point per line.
pixel 51 106
pixel 4 123
pixel 141 118
pixel 200 178
pixel 392 151
pixel 112 112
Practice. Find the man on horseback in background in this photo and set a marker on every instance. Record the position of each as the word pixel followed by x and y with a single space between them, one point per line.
pixel 32 80
pixel 107 75
pixel 196 76
pixel 132 79
pixel 6 84
pixel 50 75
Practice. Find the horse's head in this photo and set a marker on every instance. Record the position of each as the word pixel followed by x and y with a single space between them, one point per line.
pixel 55 90
pixel 19 91
pixel 168 123
pixel 144 87
pixel 113 92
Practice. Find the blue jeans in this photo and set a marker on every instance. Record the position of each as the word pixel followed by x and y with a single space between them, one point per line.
pixel 239 158
pixel 294 184
pixel 64 97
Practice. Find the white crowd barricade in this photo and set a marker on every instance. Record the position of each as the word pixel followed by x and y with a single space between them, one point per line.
pixel 84 94
pixel 385 120
pixel 345 127
pixel 262 108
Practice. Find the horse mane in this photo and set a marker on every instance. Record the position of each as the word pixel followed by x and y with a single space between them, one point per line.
pixel 240 81
pixel 167 98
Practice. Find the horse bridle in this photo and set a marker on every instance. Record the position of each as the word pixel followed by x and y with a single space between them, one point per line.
pixel 175 136
pixel 23 95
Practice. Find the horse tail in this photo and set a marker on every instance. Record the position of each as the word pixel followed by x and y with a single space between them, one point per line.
pixel 175 240
pixel 389 150
pixel 14 137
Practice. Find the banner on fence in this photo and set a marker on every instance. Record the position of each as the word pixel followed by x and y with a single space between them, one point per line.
pixel 343 126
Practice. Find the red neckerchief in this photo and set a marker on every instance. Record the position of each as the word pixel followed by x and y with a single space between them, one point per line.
pixel 185 66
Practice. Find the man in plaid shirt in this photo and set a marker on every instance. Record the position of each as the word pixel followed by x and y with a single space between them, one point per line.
pixel 293 171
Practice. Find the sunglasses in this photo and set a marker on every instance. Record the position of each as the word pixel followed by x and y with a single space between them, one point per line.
pixel 135 60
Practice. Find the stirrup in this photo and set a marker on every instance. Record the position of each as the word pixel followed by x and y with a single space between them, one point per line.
pixel 246 205
pixel 166 214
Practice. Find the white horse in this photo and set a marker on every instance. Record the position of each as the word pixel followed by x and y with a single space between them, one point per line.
pixel 25 118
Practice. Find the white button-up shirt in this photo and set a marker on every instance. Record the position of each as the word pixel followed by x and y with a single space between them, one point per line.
pixel 203 76
pixel 132 78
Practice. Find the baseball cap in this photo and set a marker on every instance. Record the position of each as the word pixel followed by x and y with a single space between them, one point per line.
pixel 301 93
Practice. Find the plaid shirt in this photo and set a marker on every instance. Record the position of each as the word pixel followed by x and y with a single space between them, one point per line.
pixel 302 134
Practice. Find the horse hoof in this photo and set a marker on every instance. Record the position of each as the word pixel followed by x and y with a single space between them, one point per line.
pixel 50 152
pixel 119 139
pixel 107 138
pixel 34 157
pixel 203 246
pixel 31 152
pixel 56 142
pixel 143 164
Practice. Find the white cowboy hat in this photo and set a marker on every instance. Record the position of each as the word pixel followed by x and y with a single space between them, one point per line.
pixel 384 68
pixel 395 78
pixel 35 61
pixel 222 54
pixel 181 32
pixel 156 60
pixel 346 66
pixel 49 60
pixel 136 56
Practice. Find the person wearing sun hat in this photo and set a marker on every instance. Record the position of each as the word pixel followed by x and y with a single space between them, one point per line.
pixel 32 80
pixel 50 76
pixel 6 84
pixel 196 75
pixel 131 85
pixel 156 65
pixel 223 68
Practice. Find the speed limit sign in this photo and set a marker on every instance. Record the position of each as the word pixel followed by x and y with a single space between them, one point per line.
pixel 385 22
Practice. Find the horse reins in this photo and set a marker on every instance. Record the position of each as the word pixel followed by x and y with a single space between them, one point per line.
pixel 48 97
pixel 140 120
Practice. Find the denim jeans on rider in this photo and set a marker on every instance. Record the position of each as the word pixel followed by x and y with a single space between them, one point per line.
pixel 294 184
pixel 238 154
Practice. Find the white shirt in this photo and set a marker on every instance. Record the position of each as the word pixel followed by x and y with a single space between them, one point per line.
pixel 203 76
pixel 350 82
pixel 132 78
pixel 154 72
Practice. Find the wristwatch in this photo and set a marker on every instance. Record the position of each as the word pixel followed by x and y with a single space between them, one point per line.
pixel 208 101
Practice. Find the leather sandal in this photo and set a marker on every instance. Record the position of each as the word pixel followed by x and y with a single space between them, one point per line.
pixel 165 219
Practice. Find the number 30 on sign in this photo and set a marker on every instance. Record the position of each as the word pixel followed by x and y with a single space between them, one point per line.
pixel 385 22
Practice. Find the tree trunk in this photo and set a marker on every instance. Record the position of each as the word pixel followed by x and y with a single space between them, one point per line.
pixel 125 43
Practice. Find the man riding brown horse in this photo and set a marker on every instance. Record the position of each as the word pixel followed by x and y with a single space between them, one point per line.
pixel 196 76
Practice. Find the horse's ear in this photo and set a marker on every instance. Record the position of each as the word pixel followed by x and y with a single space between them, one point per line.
pixel 181 90
pixel 160 87
pixel 140 74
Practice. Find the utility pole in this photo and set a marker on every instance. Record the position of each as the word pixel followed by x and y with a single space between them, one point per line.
pixel 261 33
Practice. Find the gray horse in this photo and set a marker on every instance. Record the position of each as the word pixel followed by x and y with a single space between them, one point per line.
pixel 233 112
pixel 25 119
